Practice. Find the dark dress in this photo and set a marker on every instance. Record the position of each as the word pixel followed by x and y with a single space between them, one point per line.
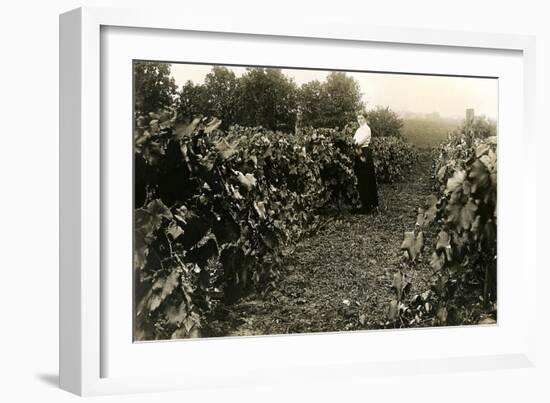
pixel 366 178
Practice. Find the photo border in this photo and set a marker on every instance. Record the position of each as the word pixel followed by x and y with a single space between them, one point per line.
pixel 81 166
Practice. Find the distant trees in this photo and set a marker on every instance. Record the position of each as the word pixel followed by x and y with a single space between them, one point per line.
pixel 221 93
pixel 340 100
pixel 154 88
pixel 310 101
pixel 384 122
pixel 266 97
pixel 333 103
pixel 261 97
pixel 193 100
pixel 482 126
pixel 216 97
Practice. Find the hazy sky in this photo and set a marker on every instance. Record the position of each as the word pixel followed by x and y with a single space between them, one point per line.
pixel 449 96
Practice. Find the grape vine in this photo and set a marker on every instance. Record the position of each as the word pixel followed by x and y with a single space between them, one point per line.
pixel 463 219
pixel 214 210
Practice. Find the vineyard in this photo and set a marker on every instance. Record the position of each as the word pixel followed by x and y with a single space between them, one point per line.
pixel 217 208
pixel 217 213
pixel 244 230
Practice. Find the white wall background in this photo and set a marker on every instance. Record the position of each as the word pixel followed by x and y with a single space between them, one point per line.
pixel 29 198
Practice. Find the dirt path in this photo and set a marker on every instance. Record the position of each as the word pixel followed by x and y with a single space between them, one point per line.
pixel 340 278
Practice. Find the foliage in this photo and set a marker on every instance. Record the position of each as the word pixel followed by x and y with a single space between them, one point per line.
pixel 464 217
pixel 461 145
pixel 339 99
pixel 393 158
pixel 310 102
pixel 217 96
pixel 192 100
pixel 333 103
pixel 154 88
pixel 221 91
pixel 266 97
pixel 483 127
pixel 466 248
pixel 384 122
pixel 214 209
pixel 260 97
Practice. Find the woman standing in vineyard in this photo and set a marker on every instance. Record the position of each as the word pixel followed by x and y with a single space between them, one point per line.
pixel 364 167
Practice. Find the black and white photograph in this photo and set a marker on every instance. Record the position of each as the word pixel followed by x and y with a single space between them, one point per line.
pixel 271 200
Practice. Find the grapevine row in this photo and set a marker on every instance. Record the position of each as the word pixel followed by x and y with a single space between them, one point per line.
pixel 214 210
pixel 463 220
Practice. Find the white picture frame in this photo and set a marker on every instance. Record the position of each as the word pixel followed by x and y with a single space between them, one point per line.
pixel 85 172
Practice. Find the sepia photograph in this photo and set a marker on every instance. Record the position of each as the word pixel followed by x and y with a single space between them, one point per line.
pixel 272 200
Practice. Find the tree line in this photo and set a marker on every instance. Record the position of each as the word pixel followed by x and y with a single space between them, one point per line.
pixel 260 97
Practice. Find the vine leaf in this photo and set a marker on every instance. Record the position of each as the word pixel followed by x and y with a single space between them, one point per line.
pixel 413 244
pixel 482 149
pixel 176 314
pixel 166 285
pixel 147 221
pixel 444 244
pixel 490 161
pixel 462 214
pixel 427 215
pixel 157 209
pixel 479 175
pixel 185 130
pixel 393 310
pixel 260 209
pixel 461 240
pixel 467 214
pixel 400 284
pixel 189 327
pixel 212 125
pixel 441 173
pixel 153 299
pixel 248 181
pixel 437 261
pixel 442 315
pixel 455 182
pixel 235 193
pixel 174 230
pixel 225 150
pixel 420 218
